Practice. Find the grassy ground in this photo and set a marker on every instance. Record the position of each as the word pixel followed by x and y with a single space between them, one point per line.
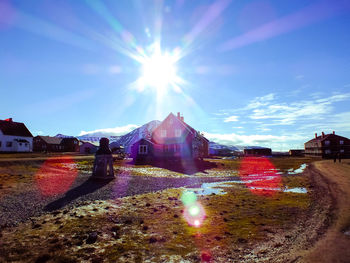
pixel 152 226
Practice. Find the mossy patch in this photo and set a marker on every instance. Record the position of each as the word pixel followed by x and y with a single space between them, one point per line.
pixel 151 227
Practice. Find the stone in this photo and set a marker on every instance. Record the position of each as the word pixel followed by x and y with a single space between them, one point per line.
pixel 152 240
pixel 43 258
pixel 92 238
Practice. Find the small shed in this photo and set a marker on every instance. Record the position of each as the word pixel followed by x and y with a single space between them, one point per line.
pixel 142 150
pixel 88 147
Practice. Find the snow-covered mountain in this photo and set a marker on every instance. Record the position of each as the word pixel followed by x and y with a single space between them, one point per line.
pixel 130 138
pixel 144 132
pixel 217 146
pixel 124 140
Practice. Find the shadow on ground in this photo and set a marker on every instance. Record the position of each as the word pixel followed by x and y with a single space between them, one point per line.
pixel 89 186
pixel 188 167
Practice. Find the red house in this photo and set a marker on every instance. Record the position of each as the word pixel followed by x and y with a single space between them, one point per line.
pixel 172 139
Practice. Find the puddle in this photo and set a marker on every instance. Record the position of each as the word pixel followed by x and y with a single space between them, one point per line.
pixel 218 188
pixel 212 188
pixel 299 190
pixel 297 171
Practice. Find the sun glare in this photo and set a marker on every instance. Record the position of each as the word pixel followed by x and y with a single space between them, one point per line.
pixel 158 70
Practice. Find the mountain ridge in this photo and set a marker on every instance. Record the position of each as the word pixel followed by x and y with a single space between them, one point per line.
pixel 144 131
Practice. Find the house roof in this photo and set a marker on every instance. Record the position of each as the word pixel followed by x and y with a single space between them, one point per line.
pixel 51 140
pixel 14 128
pixel 320 138
pixel 95 144
pixel 188 127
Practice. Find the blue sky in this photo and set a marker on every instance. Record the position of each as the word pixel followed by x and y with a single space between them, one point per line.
pixel 268 73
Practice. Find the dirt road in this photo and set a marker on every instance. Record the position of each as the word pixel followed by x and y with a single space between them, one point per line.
pixel 334 245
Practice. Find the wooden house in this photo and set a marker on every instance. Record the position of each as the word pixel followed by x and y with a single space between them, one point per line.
pixel 173 139
pixel 70 144
pixel 55 144
pixel 15 137
pixel 296 152
pixel 328 145
pixel 257 151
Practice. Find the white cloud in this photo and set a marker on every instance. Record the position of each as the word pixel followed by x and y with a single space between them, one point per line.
pixel 282 142
pixel 231 119
pixel 111 131
pixel 260 101
pixel 299 77
pixel 286 114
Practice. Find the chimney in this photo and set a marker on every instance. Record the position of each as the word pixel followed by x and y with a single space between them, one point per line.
pixel 9 119
pixel 182 118
pixel 333 132
pixel 178 115
pixel 315 135
pixel 322 134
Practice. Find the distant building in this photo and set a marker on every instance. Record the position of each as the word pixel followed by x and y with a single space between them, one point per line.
pixel 328 145
pixel 15 137
pixel 88 147
pixel 295 152
pixel 70 144
pixel 55 144
pixel 172 139
pixel 257 151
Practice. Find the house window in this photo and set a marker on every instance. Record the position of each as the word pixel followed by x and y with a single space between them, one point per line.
pixel 143 149
pixel 0 143
pixel 326 142
pixel 163 133
pixel 327 151
pixel 20 144
pixel 75 142
pixel 177 148
pixel 166 148
pixel 8 144
pixel 177 133
pixel 342 151
pixel 341 142
pixel 26 144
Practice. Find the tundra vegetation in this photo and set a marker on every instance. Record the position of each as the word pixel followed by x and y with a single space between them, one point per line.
pixel 239 224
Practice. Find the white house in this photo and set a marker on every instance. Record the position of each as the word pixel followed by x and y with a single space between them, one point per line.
pixel 15 137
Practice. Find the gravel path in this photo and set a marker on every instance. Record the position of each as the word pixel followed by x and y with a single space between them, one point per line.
pixel 20 206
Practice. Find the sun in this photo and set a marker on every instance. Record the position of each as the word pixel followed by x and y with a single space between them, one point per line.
pixel 159 71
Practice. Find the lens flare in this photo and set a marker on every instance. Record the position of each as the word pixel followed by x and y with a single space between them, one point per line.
pixel 188 198
pixel 56 176
pixel 260 175
pixel 197 223
pixel 194 210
